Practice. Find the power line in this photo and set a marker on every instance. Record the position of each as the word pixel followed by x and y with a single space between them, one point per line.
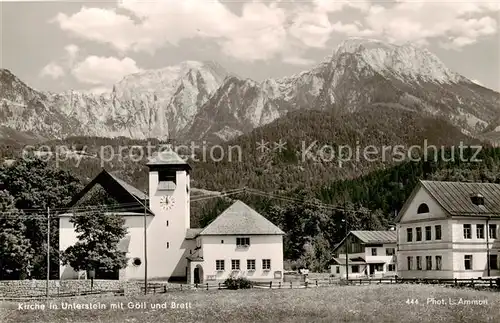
pixel 136 206
pixel 296 200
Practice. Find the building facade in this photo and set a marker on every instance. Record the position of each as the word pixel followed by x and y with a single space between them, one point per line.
pixel 238 243
pixel 370 254
pixel 175 251
pixel 449 230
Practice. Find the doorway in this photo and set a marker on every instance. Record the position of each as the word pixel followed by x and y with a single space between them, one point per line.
pixel 198 275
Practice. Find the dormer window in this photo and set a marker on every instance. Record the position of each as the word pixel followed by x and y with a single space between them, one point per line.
pixel 422 208
pixel 477 199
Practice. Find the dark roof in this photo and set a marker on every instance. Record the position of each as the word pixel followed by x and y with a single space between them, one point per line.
pixel 129 188
pixel 192 233
pixel 239 218
pixel 455 197
pixel 376 236
pixel 121 191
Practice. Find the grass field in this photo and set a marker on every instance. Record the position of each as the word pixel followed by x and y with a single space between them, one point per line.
pixel 374 303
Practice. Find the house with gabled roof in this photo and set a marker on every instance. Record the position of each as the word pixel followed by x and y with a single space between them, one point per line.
pixel 369 254
pixel 239 242
pixel 449 230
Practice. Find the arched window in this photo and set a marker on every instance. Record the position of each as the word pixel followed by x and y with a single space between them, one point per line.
pixel 423 208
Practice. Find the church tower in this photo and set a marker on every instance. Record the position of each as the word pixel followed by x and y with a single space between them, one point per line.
pixel 169 201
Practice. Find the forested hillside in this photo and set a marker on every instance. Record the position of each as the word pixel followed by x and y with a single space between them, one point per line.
pixel 300 162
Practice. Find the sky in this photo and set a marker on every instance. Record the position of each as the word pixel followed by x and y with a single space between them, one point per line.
pixel 77 45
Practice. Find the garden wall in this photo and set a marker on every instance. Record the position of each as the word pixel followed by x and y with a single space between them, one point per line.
pixel 27 288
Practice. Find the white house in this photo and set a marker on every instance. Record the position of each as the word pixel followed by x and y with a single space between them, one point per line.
pixel 449 230
pixel 240 241
pixel 370 254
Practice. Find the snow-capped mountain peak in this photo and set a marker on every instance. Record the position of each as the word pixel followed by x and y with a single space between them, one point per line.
pixel 400 61
pixel 166 80
pixel 357 44
pixel 157 103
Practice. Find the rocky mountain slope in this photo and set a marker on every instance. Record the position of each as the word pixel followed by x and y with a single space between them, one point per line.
pixel 157 103
pixel 202 101
pixel 360 72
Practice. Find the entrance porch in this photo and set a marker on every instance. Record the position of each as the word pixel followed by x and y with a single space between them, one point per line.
pixel 195 271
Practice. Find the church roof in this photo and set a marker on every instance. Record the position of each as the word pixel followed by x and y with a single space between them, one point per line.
pixel 129 188
pixel 121 191
pixel 166 157
pixel 240 219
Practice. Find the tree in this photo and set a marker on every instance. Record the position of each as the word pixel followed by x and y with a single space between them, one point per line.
pixel 99 235
pixel 15 248
pixel 36 184
pixel 317 255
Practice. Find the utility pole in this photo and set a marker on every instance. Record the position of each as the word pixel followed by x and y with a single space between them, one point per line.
pixel 48 252
pixel 145 216
pixel 145 247
pixel 487 233
pixel 346 252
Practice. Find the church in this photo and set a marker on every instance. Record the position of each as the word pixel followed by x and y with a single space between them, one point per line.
pixel 240 242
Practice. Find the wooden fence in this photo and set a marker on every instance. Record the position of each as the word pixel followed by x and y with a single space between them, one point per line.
pixel 469 282
pixel 156 288
pixel 159 288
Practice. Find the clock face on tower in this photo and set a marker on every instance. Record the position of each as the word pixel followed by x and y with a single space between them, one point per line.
pixel 166 202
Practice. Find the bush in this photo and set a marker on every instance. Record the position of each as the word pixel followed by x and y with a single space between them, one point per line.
pixel 237 283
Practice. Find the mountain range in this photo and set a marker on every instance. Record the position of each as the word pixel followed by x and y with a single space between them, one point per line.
pixel 203 101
